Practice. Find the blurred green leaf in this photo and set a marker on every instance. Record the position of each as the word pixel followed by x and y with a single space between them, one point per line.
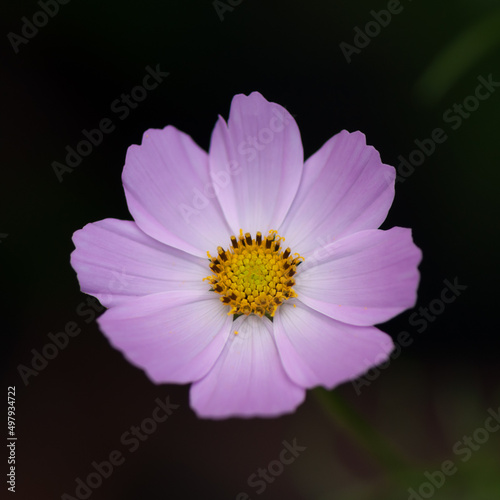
pixel 457 58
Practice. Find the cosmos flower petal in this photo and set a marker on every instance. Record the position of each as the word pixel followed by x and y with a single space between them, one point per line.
pixel 345 188
pixel 363 279
pixel 248 380
pixel 175 337
pixel 170 193
pixel 115 262
pixel 258 158
pixel 318 350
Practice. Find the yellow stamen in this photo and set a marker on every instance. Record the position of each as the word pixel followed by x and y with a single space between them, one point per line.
pixel 254 276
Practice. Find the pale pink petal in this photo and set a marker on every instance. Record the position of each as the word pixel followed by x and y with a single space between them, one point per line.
pixel 248 380
pixel 115 261
pixel 345 188
pixel 258 158
pixel 175 337
pixel 363 279
pixel 318 350
pixel 170 193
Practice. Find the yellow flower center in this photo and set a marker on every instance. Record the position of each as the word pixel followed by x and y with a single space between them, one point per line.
pixel 254 275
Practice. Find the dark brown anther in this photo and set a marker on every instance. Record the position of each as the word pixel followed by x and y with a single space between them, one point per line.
pixel 248 238
pixel 286 253
pixel 222 254
pixel 276 246
pixel 218 288
pixel 258 238
pixel 290 282
pixel 215 268
pixel 286 265
pixel 269 240
pixel 225 300
pixel 234 241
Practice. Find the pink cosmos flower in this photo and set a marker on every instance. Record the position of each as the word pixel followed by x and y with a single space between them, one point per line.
pixel 247 272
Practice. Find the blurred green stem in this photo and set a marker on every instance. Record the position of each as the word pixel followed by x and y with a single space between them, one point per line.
pixel 343 415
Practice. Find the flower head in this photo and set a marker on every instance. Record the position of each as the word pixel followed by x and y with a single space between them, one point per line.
pixel 247 272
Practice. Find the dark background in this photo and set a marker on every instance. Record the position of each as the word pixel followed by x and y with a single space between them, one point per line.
pixel 395 90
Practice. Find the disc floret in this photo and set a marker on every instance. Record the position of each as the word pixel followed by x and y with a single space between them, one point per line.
pixel 254 275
